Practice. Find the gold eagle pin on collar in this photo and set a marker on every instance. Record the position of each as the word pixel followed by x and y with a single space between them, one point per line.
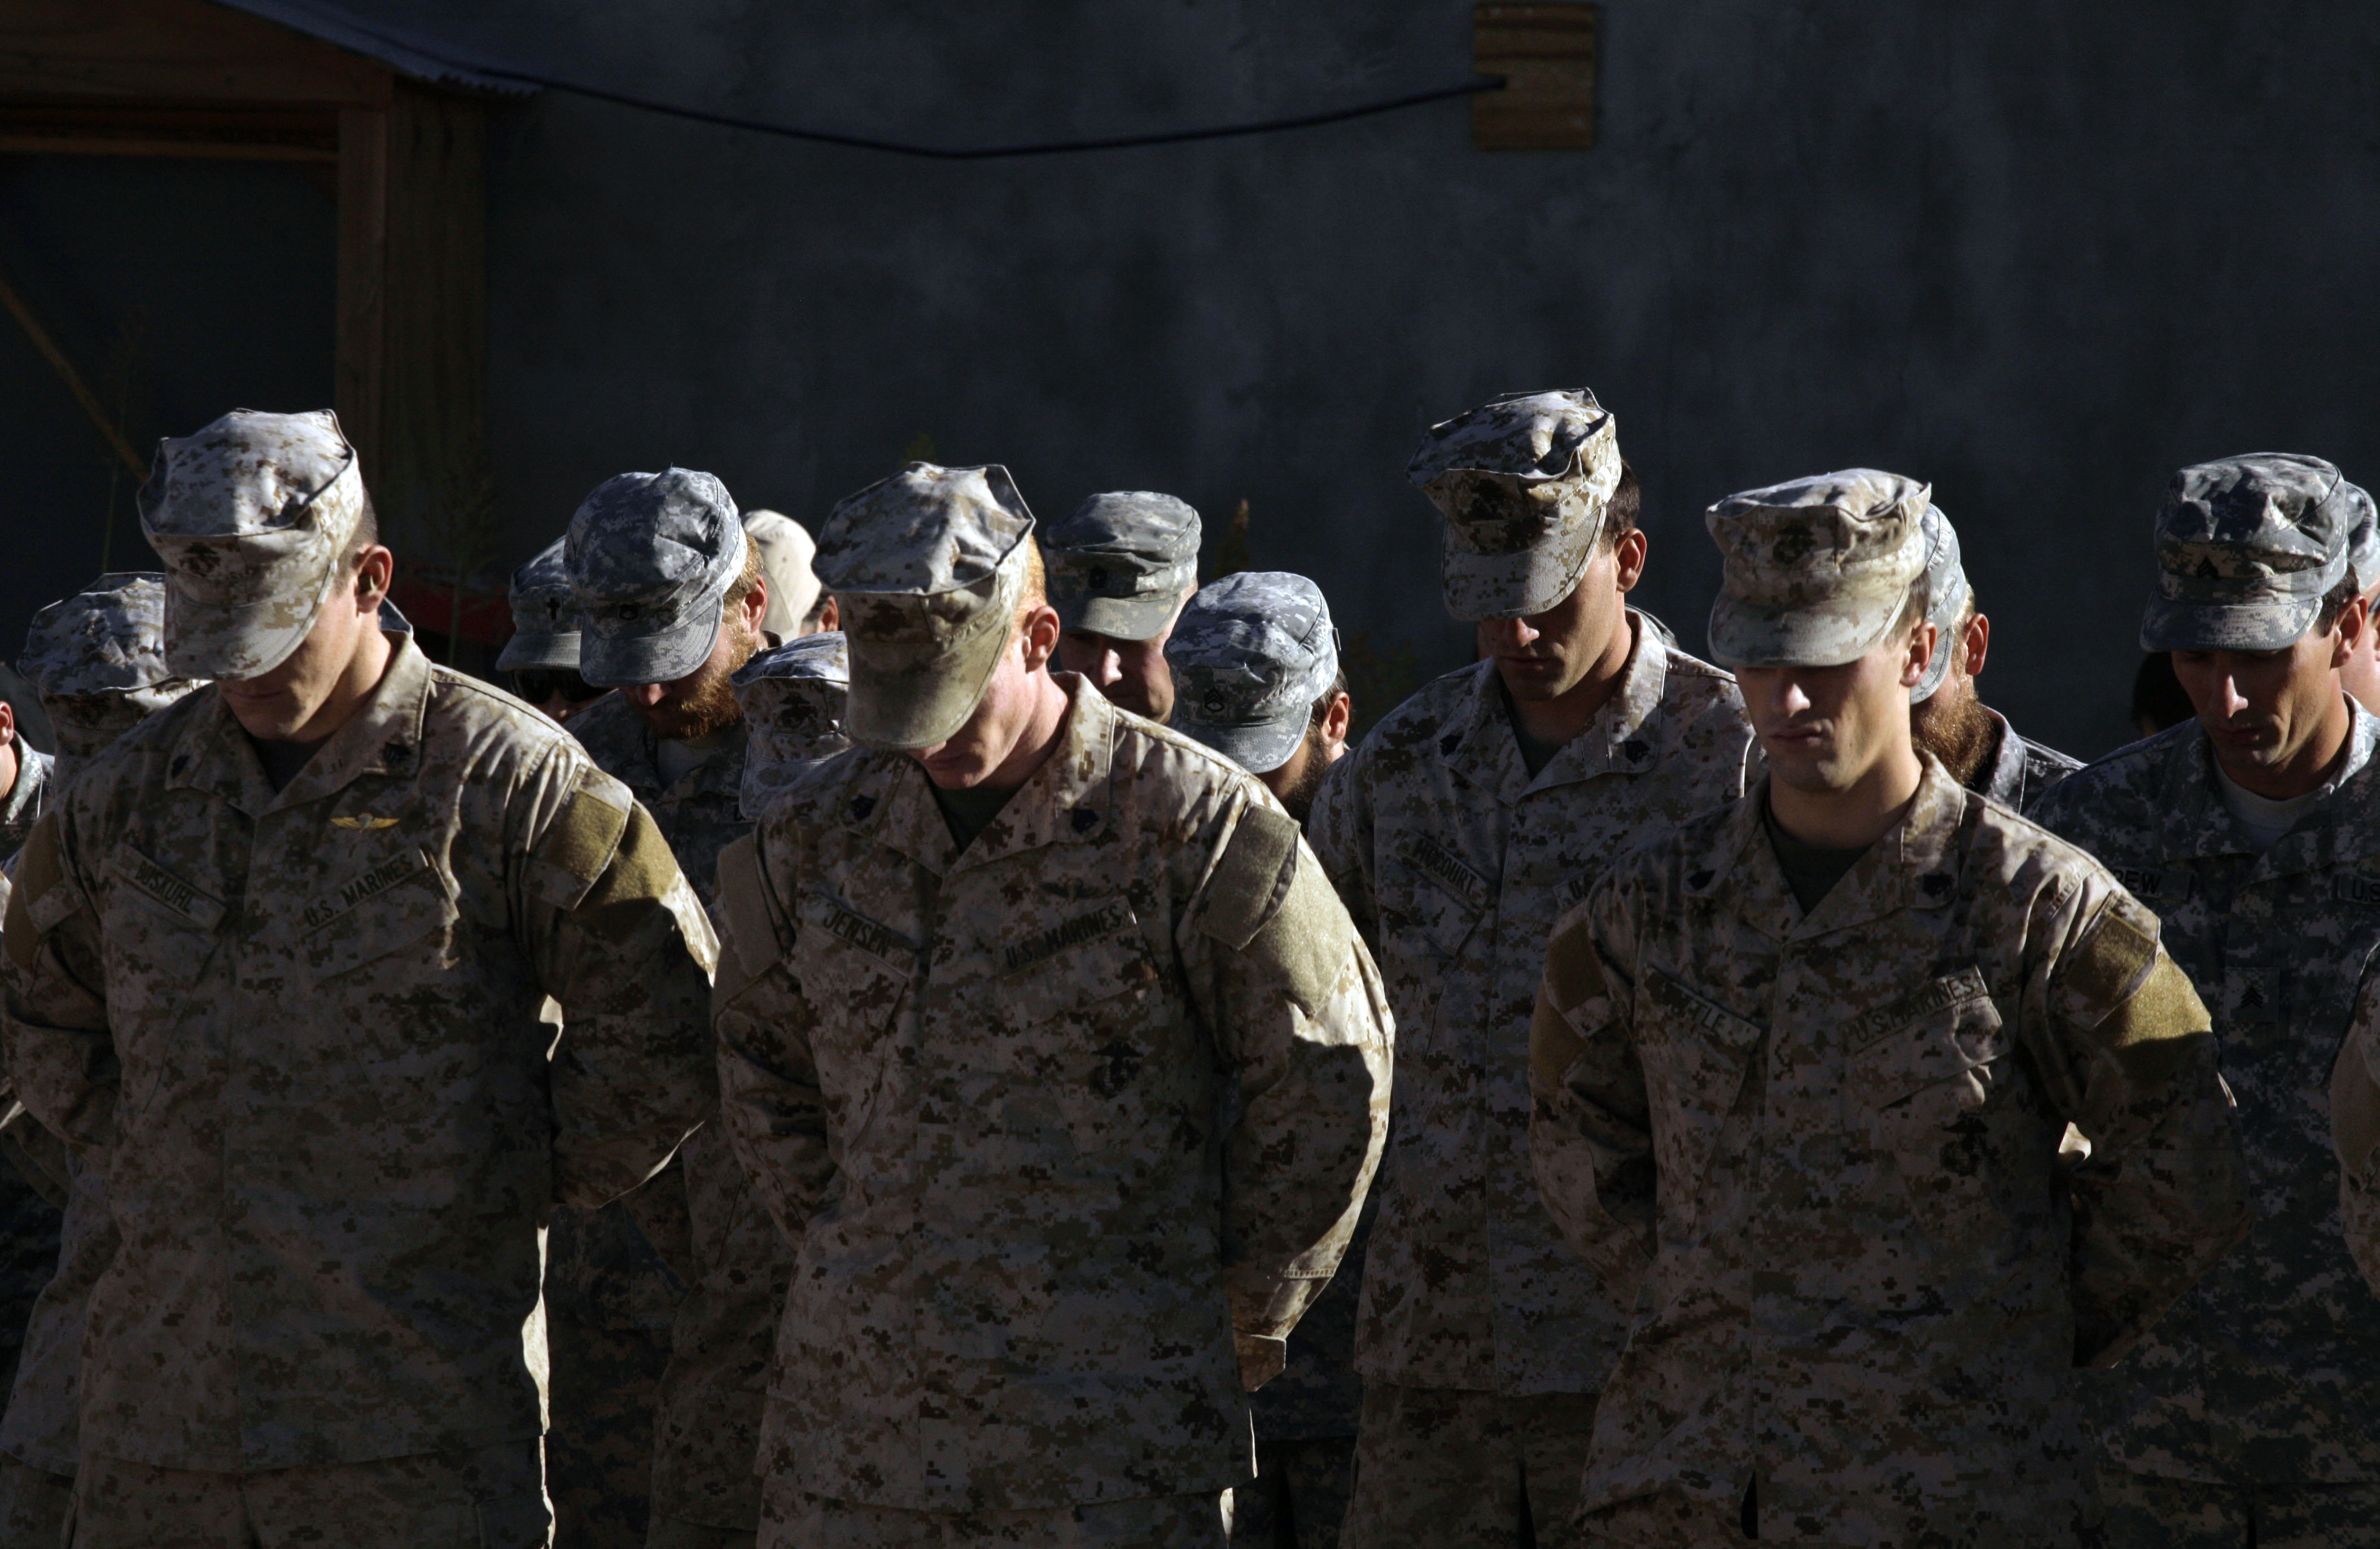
pixel 364 821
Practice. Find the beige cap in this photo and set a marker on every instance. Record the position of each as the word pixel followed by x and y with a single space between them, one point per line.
pixel 927 567
pixel 252 515
pixel 787 548
pixel 1524 482
pixel 1815 569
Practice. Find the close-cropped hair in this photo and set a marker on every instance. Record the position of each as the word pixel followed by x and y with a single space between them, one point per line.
pixel 2333 603
pixel 367 533
pixel 1321 710
pixel 1627 506
pixel 1035 592
pixel 1912 607
pixel 750 577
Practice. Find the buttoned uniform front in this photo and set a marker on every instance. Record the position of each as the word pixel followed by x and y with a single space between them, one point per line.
pixel 1455 863
pixel 1821 1151
pixel 707 1425
pixel 1057 1122
pixel 2268 1373
pixel 300 1032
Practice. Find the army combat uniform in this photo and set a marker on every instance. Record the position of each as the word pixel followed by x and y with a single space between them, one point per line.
pixel 1482 1334
pixel 1068 1124
pixel 1818 1141
pixel 298 1032
pixel 2255 1407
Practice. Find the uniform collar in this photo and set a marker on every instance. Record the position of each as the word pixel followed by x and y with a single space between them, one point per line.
pixel 1914 865
pixel 2004 782
pixel 1066 801
pixel 27 796
pixel 382 737
pixel 1625 736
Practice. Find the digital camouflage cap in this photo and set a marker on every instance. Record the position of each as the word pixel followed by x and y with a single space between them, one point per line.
pixel 1119 565
pixel 545 614
pixel 1526 484
pixel 1251 655
pixel 98 661
pixel 651 557
pixel 2246 549
pixel 793 696
pixel 1945 598
pixel 929 568
pixel 1814 571
pixel 253 516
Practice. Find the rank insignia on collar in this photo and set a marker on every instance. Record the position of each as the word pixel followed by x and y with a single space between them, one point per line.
pixel 365 821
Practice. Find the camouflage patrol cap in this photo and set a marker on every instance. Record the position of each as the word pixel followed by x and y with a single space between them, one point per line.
pixel 793 696
pixel 651 557
pixel 785 548
pixel 1945 598
pixel 1815 569
pixel 2363 552
pixel 929 566
pixel 2247 547
pixel 1525 483
pixel 1250 655
pixel 1119 565
pixel 253 516
pixel 545 614
pixel 98 661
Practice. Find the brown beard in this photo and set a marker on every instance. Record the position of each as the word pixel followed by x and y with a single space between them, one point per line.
pixel 706 705
pixel 1961 732
pixel 1299 798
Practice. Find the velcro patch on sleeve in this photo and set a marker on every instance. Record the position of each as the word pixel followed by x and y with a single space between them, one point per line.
pixel 2355 1106
pixel 2112 956
pixel 1573 977
pixel 581 842
pixel 1252 879
pixel 39 899
pixel 1308 937
pixel 2153 1032
pixel 752 945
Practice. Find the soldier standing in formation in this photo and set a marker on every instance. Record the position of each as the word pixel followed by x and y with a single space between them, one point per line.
pixel 1043 1038
pixel 671 594
pixel 1801 1071
pixel 1472 817
pixel 1119 570
pixel 98 661
pixel 2251 1413
pixel 275 965
pixel 1972 741
pixel 793 696
pixel 543 655
pixel 1254 661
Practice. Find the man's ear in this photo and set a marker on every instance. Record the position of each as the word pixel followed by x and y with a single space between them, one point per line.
pixel 2353 620
pixel 8 721
pixel 374 571
pixel 1628 559
pixel 1977 640
pixel 1335 721
pixel 755 606
pixel 1038 636
pixel 1919 654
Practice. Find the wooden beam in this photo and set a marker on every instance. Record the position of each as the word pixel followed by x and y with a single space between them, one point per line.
pixel 120 129
pixel 1546 55
pixel 175 51
pixel 361 326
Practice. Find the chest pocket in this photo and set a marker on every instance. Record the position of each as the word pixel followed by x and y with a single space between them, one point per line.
pixel 399 905
pixel 1437 897
pixel 158 930
pixel 842 958
pixel 1921 1075
pixel 1696 1055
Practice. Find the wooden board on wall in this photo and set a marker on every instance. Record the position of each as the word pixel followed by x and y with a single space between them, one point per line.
pixel 1546 55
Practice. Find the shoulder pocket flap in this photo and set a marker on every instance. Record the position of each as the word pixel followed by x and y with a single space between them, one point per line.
pixel 1251 878
pixel 886 948
pixel 751 934
pixel 157 888
pixel 395 902
pixel 581 842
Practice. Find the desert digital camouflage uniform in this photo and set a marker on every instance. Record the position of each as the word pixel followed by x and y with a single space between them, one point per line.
pixel 34 1503
pixel 793 697
pixel 1481 1331
pixel 300 1030
pixel 1251 655
pixel 1819 1147
pixel 2254 1406
pixel 651 559
pixel 98 661
pixel 1068 1126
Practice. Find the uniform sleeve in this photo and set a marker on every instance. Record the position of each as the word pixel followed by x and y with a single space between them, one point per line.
pixel 770 1102
pixel 61 1056
pixel 2163 1191
pixel 2355 1131
pixel 621 943
pixel 1590 1136
pixel 1340 832
pixel 1302 1026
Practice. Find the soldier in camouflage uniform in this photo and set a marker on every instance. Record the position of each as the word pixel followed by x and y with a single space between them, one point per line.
pixel 1119 570
pixel 2251 1413
pixel 1046 1043
pixel 1973 742
pixel 793 696
pixel 98 660
pixel 1801 1070
pixel 275 965
pixel 2361 676
pixel 1469 819
pixel 1256 677
pixel 671 594
pixel 543 655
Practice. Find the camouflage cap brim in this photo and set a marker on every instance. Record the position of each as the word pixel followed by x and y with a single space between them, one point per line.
pixel 919 665
pixel 1259 747
pixel 1512 585
pixel 662 655
pixel 1820 634
pixel 2170 624
pixel 541 648
pixel 1123 617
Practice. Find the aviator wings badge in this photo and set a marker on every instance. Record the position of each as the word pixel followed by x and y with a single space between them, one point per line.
pixel 364 821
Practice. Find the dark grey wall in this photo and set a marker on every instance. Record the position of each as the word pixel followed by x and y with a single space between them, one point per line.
pixel 2039 253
